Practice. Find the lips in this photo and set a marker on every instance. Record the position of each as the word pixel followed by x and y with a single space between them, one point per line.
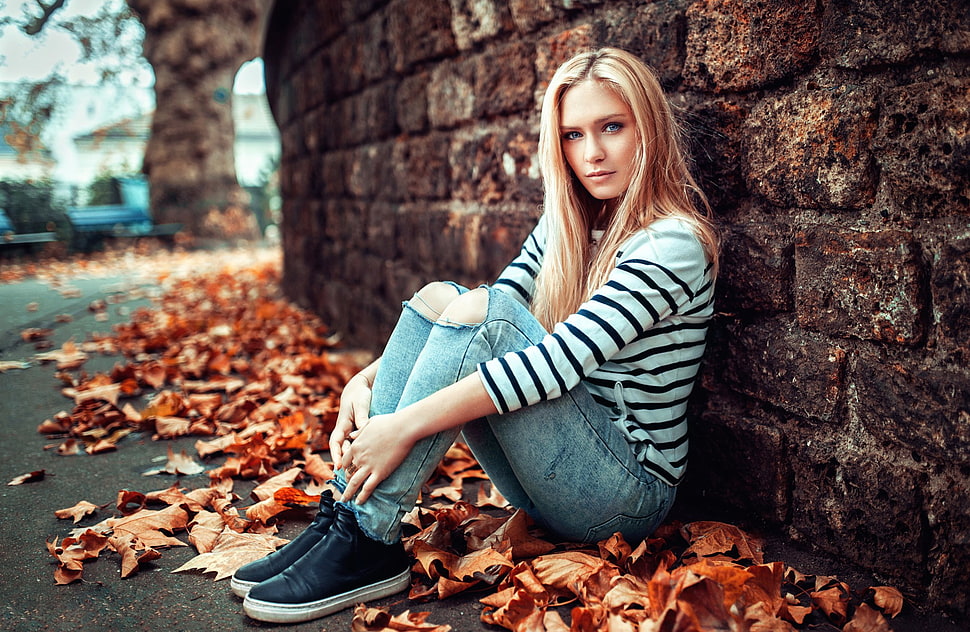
pixel 599 174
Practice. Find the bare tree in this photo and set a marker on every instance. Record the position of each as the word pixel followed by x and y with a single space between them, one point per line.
pixel 195 48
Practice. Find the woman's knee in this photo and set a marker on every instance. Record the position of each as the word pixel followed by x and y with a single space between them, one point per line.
pixel 434 298
pixel 469 308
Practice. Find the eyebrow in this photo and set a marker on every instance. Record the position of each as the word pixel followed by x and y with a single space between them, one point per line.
pixel 599 121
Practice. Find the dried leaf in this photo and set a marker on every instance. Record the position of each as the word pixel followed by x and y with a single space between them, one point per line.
pixel 888 599
pixel 178 464
pixel 231 551
pixel 30 477
pixel 380 620
pixel 77 512
pixel 867 620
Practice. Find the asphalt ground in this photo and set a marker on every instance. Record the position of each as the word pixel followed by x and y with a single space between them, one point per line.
pixel 155 598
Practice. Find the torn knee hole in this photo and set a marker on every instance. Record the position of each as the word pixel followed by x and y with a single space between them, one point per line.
pixel 469 308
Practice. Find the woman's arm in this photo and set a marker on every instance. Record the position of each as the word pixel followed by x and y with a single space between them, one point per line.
pixel 385 440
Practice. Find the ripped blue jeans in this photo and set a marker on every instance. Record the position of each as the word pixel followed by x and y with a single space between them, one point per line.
pixel 562 460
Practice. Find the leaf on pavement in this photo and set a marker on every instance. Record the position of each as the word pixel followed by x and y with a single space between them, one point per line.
pixel 888 599
pixel 149 526
pixel 270 486
pixel 77 512
pixel 68 357
pixel 231 551
pixel 180 464
pixel 867 620
pixel 133 553
pixel 30 477
pixel 380 620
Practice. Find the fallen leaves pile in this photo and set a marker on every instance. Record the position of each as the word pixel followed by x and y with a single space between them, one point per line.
pixel 221 356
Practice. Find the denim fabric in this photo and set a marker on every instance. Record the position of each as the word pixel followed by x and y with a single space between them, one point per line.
pixel 562 461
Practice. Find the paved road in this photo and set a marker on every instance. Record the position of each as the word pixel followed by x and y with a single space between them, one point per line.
pixel 154 599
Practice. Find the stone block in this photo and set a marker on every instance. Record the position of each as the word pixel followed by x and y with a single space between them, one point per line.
pixel 738 459
pixel 412 103
pixel 475 21
pixel 451 94
pixel 491 165
pixel 367 116
pixel 713 129
pixel 504 80
pixel 552 52
pixel 777 363
pixel 502 231
pixel 923 144
pixel 951 298
pixel 335 169
pixel 859 504
pixel 902 402
pixel 948 517
pixel 419 30
pixel 865 33
pixel 424 170
pixel 529 14
pixel 655 32
pixel 372 173
pixel 860 284
pixel 738 45
pixel 813 147
pixel 757 268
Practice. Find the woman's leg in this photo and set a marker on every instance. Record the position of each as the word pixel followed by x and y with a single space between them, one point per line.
pixel 406 341
pixel 561 460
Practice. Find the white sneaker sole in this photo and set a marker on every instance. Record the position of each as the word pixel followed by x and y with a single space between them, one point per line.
pixel 296 612
pixel 241 587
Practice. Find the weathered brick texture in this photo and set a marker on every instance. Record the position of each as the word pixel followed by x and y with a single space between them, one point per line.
pixel 832 139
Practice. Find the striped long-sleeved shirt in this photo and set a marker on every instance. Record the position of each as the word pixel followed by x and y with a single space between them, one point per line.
pixel 636 344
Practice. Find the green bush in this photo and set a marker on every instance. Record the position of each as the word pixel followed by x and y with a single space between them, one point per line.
pixel 32 206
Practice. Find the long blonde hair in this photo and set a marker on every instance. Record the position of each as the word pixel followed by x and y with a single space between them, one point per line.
pixel 661 184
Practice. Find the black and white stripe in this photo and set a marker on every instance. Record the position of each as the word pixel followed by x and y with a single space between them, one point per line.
pixel 636 344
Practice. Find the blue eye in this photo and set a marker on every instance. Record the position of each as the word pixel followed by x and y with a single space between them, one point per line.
pixel 613 127
pixel 571 136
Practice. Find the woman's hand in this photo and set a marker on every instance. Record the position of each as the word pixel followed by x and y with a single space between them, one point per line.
pixel 376 451
pixel 352 415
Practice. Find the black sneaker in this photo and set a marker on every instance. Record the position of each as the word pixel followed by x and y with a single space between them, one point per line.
pixel 278 561
pixel 343 569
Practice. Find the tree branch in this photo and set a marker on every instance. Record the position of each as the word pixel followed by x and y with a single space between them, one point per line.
pixel 37 24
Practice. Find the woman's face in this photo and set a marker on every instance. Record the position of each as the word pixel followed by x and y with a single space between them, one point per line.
pixel 599 138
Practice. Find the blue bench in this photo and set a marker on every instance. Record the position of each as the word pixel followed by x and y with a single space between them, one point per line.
pixel 10 236
pixel 131 218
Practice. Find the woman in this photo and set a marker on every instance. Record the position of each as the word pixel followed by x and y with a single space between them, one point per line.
pixel 569 377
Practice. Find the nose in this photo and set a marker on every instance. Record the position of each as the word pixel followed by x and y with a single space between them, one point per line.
pixel 593 150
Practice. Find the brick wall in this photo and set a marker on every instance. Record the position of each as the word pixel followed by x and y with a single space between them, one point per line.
pixel 831 137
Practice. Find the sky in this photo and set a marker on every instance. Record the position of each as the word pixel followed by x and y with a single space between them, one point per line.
pixel 25 58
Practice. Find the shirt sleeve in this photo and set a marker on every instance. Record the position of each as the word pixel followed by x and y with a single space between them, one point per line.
pixel 658 272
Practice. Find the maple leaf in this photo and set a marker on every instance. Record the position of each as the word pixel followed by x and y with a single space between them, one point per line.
pixel 268 488
pixel 205 529
pixel 67 358
pixel 380 620
pixel 147 526
pixel 178 464
pixel 30 477
pixel 77 512
pixel 888 599
pixel 133 553
pixel 72 552
pixel 232 550
pixel 867 620
pixel 832 598
pixel 721 541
